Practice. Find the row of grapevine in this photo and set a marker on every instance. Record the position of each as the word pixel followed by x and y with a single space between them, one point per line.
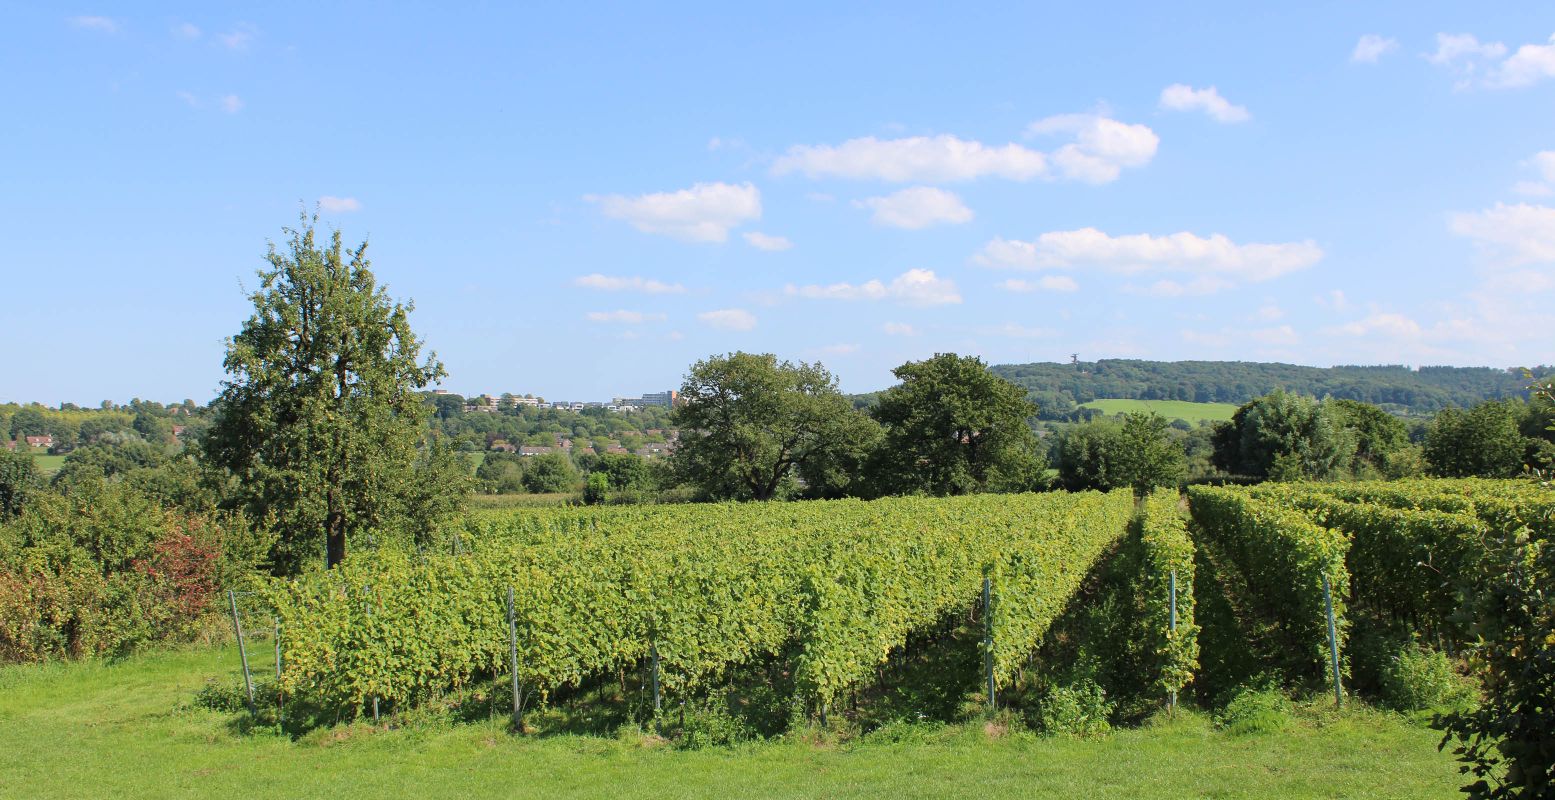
pixel 1289 563
pixel 706 587
pixel 1168 574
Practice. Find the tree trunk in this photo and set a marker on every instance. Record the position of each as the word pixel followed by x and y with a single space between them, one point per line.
pixel 335 529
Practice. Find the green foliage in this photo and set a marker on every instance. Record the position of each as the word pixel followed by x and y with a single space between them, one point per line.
pixel 1256 711
pixel 19 480
pixel 1484 441
pixel 1283 556
pixel 104 570
pixel 750 424
pixel 319 424
pixel 1080 710
pixel 953 427
pixel 596 489
pixel 1168 550
pixel 1137 454
pixel 1418 679
pixel 549 472
pixel 1507 742
pixel 1285 437
pixel 844 583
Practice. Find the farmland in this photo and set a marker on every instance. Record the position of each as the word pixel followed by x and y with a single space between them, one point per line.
pixel 1171 409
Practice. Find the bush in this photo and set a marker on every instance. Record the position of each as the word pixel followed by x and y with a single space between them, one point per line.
pixel 1079 710
pixel 704 727
pixel 1256 711
pixel 1417 679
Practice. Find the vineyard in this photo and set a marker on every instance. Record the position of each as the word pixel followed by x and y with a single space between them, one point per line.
pixel 824 603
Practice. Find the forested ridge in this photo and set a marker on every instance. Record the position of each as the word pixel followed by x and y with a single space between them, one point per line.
pixel 1058 388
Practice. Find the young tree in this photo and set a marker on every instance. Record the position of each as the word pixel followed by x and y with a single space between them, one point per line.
pixel 319 425
pixel 749 422
pixel 954 427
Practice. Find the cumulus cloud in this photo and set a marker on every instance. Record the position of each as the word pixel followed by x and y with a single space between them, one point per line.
pixel 231 104
pixel 1216 259
pixel 703 213
pixel 339 205
pixel 1046 283
pixel 1510 235
pixel 94 23
pixel 634 283
pixel 1371 48
pixel 729 319
pixel 771 244
pixel 1491 64
pixel 1182 97
pixel 629 317
pixel 917 207
pixel 239 38
pixel 918 287
pixel 1102 147
pixel 1269 313
pixel 898 329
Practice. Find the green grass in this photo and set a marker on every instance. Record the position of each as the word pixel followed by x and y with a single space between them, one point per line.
pixel 1171 409
pixel 47 464
pixel 129 729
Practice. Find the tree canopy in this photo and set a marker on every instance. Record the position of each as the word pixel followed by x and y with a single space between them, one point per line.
pixel 750 423
pixel 954 427
pixel 319 424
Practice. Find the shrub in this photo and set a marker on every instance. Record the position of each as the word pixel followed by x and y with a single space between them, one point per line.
pixel 1256 711
pixel 1417 679
pixel 705 726
pixel 1078 710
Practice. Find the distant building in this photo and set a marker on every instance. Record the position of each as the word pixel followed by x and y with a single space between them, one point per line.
pixel 665 399
pixel 485 404
pixel 46 440
pixel 531 450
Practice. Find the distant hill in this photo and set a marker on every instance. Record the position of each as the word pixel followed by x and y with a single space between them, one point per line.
pixel 1058 389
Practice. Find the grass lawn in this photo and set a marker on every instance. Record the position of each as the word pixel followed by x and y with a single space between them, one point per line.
pixel 1171 409
pixel 129 729
pixel 47 464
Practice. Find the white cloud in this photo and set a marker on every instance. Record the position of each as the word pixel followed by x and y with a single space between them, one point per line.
pixel 771 244
pixel 918 287
pixel 1387 324
pixel 917 207
pixel 1544 162
pixel 1455 48
pixel 1046 283
pixel 916 158
pixel 1269 313
pixel 729 319
pixel 1282 335
pixel 239 38
pixel 632 284
pixel 703 213
pixel 1335 300
pixel 94 23
pixel 339 205
pixel 186 30
pixel 231 104
pixel 189 99
pixel 1532 189
pixel 1488 63
pixel 1372 48
pixel 1183 252
pixel 1182 97
pixel 1529 65
pixel 898 329
pixel 1510 235
pixel 629 317
pixel 1102 147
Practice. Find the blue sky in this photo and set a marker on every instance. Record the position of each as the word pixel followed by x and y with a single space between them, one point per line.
pixel 583 202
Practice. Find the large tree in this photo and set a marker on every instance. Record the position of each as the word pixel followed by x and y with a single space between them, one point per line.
pixel 750 424
pixel 954 427
pixel 1137 453
pixel 1485 440
pixel 1285 436
pixel 319 425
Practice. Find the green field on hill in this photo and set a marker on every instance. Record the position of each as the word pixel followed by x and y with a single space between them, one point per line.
pixel 132 728
pixel 1171 409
